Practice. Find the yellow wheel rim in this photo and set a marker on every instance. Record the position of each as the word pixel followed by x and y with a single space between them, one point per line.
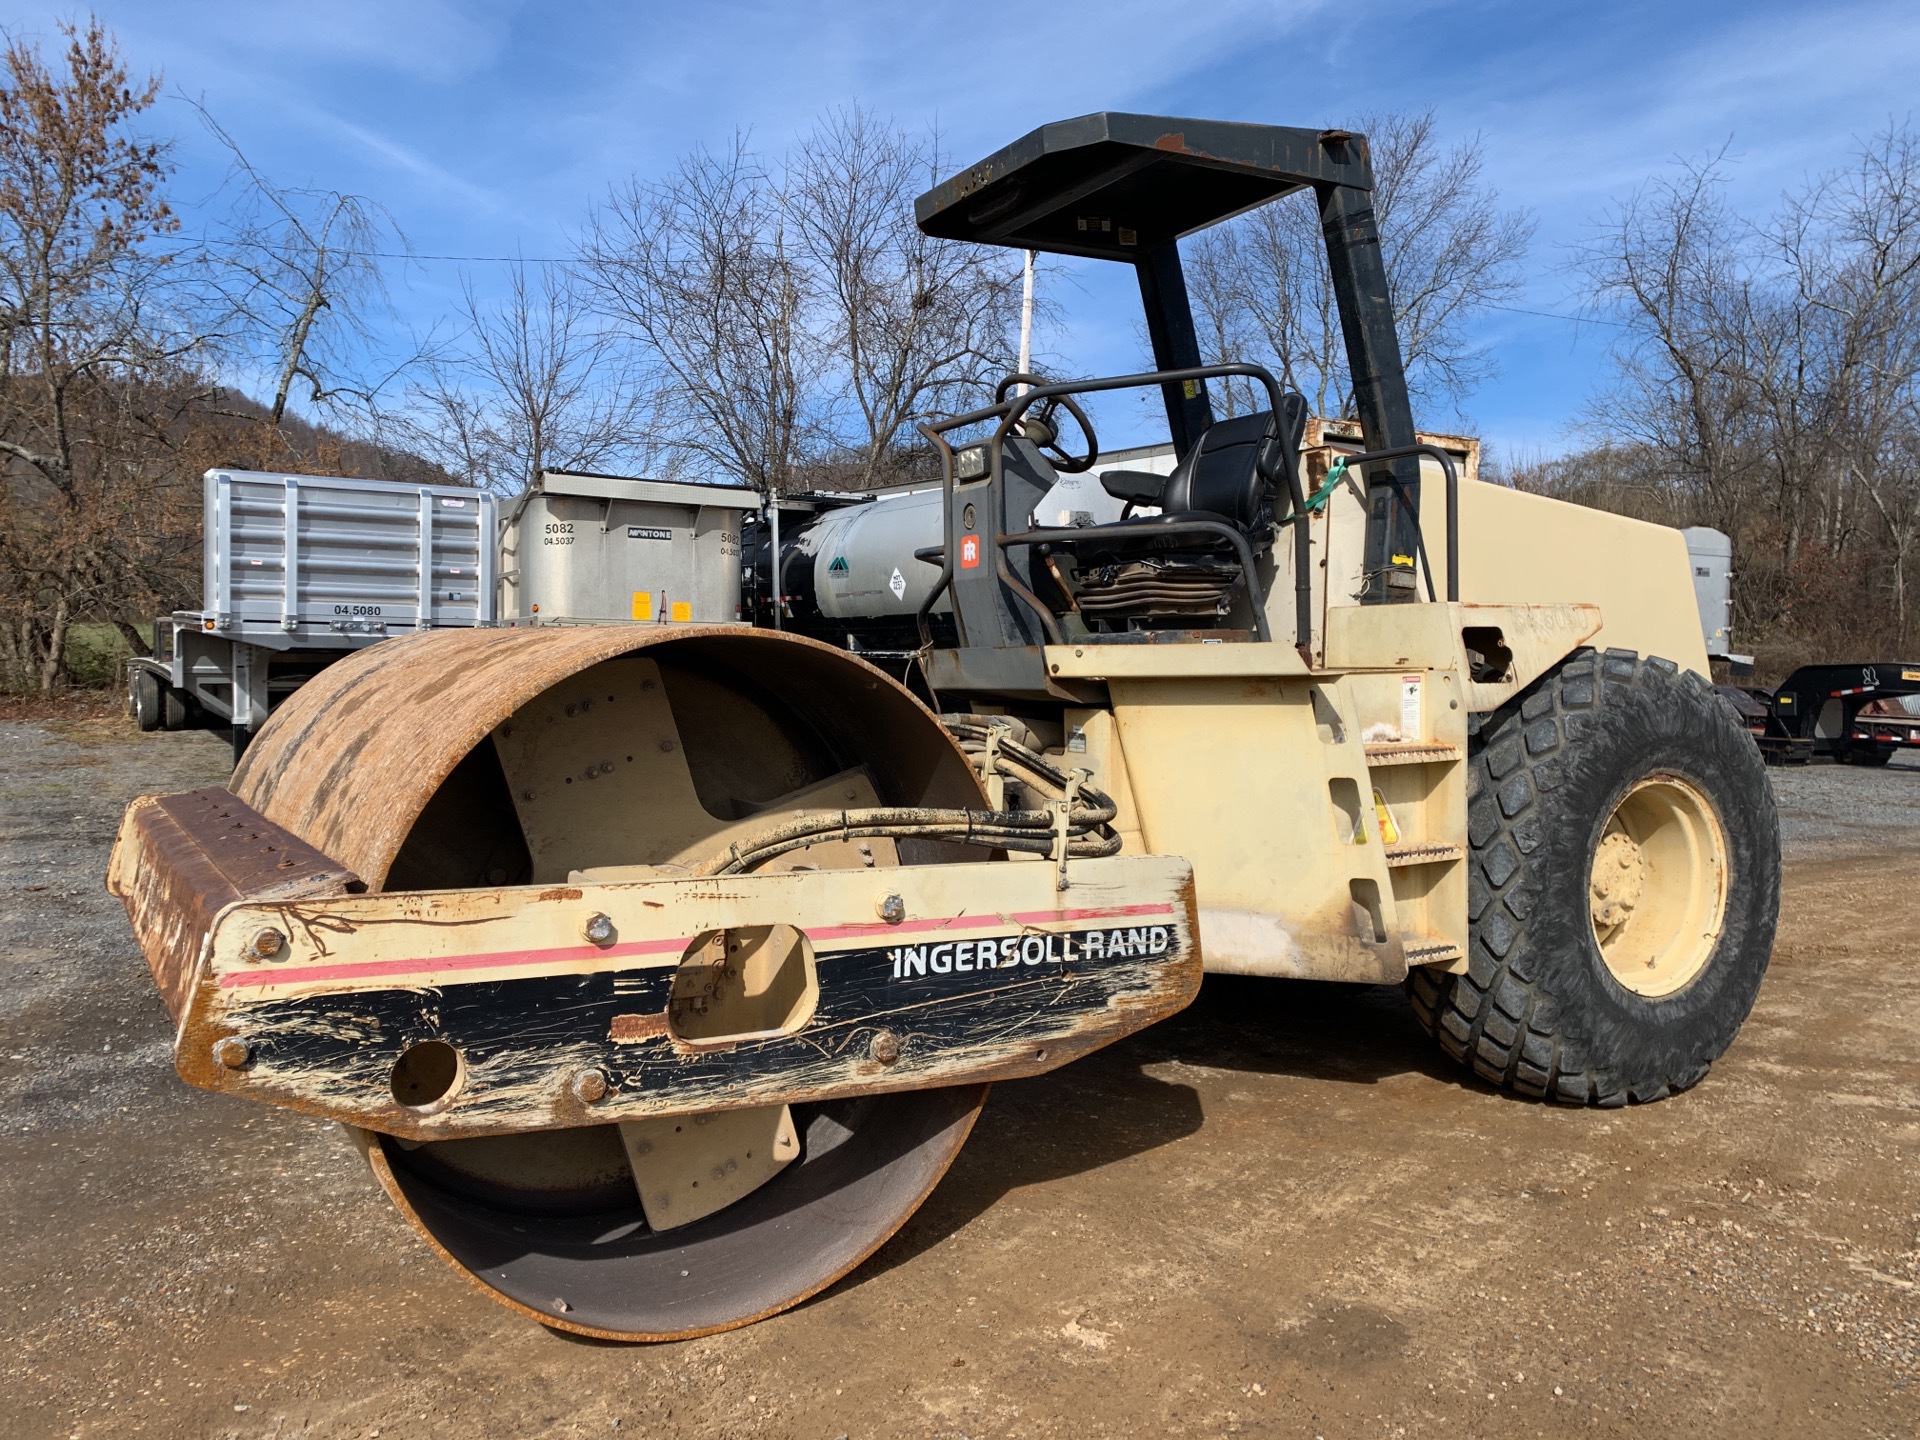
pixel 1657 886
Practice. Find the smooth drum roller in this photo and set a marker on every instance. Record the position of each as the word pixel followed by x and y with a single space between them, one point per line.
pixel 536 757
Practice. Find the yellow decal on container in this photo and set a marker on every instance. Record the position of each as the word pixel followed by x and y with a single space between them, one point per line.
pixel 643 604
pixel 1389 832
pixel 1403 560
pixel 682 611
pixel 1910 674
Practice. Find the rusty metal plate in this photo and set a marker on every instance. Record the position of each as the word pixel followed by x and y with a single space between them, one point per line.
pixel 181 859
pixel 447 1014
pixel 351 759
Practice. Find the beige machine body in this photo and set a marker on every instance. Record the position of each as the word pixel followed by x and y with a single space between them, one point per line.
pixel 1321 799
pixel 660 965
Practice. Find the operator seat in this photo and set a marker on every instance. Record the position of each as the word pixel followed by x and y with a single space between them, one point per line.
pixel 1233 474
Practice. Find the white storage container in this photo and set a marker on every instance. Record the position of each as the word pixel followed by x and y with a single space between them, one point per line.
pixel 1712 555
pixel 308 561
pixel 584 548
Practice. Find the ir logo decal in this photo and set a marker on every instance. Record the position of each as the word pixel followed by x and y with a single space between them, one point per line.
pixel 969 552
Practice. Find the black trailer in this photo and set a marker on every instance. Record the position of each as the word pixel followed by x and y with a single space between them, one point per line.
pixel 1833 710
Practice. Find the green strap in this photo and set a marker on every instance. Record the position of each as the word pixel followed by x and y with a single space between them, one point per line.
pixel 1317 501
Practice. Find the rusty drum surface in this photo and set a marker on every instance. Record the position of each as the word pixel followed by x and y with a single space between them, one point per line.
pixel 395 765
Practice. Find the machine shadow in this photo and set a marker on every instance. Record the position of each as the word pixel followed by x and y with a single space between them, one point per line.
pixel 1108 1107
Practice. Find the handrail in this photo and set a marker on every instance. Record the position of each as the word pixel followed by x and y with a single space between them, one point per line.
pixel 1368 457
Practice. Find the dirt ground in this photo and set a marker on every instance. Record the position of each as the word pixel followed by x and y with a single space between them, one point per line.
pixel 1281 1213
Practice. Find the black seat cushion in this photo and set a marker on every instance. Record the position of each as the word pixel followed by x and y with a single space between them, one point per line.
pixel 1228 473
pixel 1233 473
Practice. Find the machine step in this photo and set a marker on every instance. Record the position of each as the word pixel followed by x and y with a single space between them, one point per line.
pixel 1410 752
pixel 1423 852
pixel 1431 950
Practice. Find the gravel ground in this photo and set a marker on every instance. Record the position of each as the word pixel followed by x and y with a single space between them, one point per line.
pixel 1280 1213
pixel 1831 810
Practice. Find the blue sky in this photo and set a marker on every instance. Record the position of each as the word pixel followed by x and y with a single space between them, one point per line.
pixel 487 128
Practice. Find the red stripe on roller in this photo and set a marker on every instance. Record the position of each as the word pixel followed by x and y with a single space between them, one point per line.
pixel 521 959
pixel 499 960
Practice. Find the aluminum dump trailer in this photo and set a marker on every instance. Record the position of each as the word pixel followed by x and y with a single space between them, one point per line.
pixel 300 571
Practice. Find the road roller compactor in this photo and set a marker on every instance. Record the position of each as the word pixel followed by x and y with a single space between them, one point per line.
pixel 660 970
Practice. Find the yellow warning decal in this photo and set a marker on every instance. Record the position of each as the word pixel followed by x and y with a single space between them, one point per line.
pixel 643 604
pixel 1910 674
pixel 682 611
pixel 1389 832
pixel 1403 559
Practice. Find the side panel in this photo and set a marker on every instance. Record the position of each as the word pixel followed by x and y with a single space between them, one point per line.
pixel 1262 784
pixel 302 560
pixel 624 558
pixel 1711 554
pixel 1520 548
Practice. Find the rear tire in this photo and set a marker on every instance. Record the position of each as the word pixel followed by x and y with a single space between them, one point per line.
pixel 1583 986
pixel 143 699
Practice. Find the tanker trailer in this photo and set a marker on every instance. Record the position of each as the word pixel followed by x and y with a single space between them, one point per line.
pixel 660 970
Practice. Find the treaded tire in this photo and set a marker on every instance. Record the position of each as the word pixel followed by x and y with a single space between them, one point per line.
pixel 143 699
pixel 1538 1011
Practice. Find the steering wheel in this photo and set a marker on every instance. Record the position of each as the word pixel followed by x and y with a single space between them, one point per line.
pixel 1039 426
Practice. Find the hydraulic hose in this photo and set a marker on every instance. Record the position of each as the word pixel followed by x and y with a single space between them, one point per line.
pixel 1029 828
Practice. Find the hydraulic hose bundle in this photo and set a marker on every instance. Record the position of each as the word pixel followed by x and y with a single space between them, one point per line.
pixel 1040 809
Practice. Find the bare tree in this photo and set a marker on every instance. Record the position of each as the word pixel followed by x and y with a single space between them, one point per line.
pixel 537 381
pixel 700 269
pixel 91 355
pixel 1773 367
pixel 1261 291
pixel 303 272
pixel 915 324
pixel 1669 262
pixel 1450 251
pixel 1839 351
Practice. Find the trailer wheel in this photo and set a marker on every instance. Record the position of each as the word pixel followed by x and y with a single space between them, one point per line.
pixel 143 699
pixel 1624 886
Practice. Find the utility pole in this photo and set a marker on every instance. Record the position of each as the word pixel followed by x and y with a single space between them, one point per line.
pixel 1026 317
